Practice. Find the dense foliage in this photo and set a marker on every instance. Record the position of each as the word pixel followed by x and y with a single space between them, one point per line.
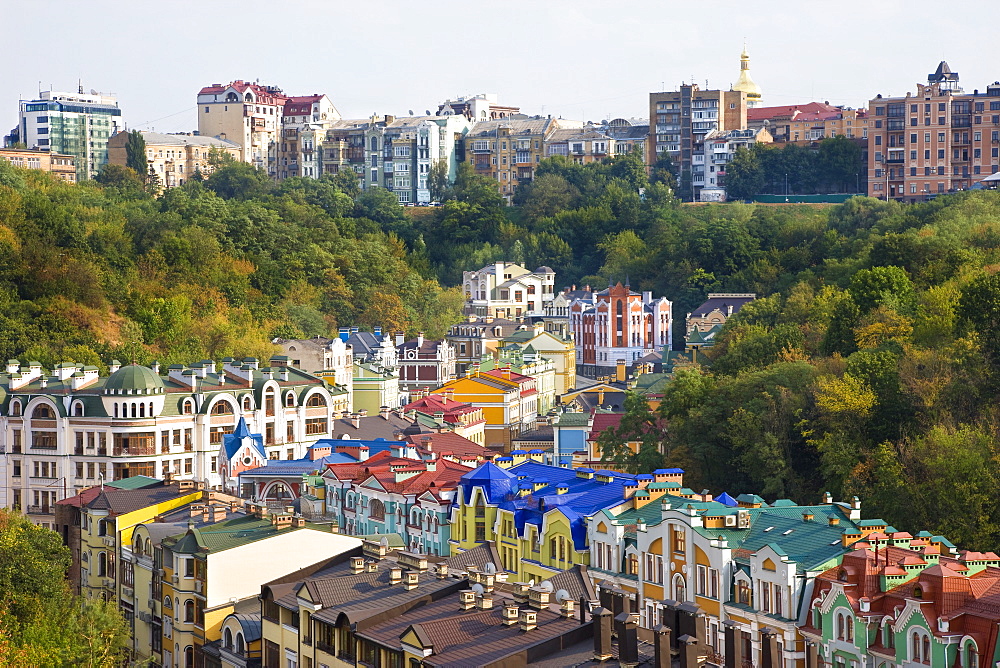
pixel 869 367
pixel 41 623
pixel 215 268
pixel 834 166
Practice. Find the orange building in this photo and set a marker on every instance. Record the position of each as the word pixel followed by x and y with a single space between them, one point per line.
pixel 63 166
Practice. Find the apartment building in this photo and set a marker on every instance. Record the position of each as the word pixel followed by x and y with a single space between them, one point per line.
pixel 509 150
pixel 63 166
pixel 70 428
pixel 478 336
pixel 935 140
pixel 247 114
pixel 304 122
pixel 173 157
pixel 509 402
pixel 618 324
pixel 76 124
pixel 424 364
pixel 481 107
pixel 508 290
pixel 714 153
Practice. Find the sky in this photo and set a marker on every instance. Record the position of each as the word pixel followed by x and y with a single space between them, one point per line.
pixel 578 59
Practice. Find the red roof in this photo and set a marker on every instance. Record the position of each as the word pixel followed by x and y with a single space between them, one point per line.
pixel 298 105
pixel 449 443
pixel 603 421
pixel 265 95
pixel 787 111
pixel 436 403
pixel 506 374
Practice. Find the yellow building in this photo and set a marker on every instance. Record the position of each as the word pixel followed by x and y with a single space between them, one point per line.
pixel 63 166
pixel 107 517
pixel 554 346
pixel 509 402
pixel 207 570
pixel 516 504
pixel 173 158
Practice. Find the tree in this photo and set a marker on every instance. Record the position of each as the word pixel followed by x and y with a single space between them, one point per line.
pixel 641 426
pixel 438 181
pixel 840 162
pixel 979 309
pixel 237 180
pixel 744 176
pixel 123 179
pixel 135 152
pixel 882 286
pixel 41 623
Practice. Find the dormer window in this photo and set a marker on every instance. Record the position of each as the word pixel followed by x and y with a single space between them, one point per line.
pixel 918 592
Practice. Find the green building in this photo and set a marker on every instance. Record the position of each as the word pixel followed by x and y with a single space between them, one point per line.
pixel 76 124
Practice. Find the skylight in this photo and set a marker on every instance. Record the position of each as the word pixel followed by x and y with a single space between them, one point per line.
pixel 768 529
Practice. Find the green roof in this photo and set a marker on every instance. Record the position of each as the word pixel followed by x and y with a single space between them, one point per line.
pixel 394 540
pixel 134 377
pixel 228 534
pixel 135 482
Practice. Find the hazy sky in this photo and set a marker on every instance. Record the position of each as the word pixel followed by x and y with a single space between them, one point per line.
pixel 576 59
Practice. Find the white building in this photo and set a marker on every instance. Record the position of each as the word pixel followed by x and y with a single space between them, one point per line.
pixel 508 290
pixel 76 124
pixel 716 151
pixel 72 428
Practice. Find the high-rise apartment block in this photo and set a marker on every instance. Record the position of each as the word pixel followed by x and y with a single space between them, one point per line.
pixel 245 113
pixel 936 140
pixel 76 124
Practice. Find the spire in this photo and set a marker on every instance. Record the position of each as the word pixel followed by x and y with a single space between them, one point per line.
pixel 746 82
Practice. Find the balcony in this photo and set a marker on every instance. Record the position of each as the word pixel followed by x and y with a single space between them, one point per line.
pixel 40 510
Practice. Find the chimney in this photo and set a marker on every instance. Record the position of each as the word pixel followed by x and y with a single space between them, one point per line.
pixel 528 620
pixel 627 624
pixel 420 339
pixel 510 614
pixel 395 575
pixel 155 366
pixel 601 619
pixel 372 567
pixel 356 420
pixel 734 644
pixel 114 366
pixel 383 412
pixel 661 646
pixel 467 599
pixel 357 565
pixel 807 516
pixel 567 608
pixel 620 371
pixel 834 520
pixel 400 338
pixel 827 497
pixel 410 580
pixel 689 650
pixel 442 571
pixel 769 655
pixel 484 601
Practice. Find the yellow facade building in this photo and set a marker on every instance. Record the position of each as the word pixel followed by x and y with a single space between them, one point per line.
pixel 174 158
pixel 509 402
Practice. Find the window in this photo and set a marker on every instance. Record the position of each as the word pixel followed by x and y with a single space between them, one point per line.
pixel 678 540
pixel 222 408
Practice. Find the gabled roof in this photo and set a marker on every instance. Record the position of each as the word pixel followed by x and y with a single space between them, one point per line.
pixel 234 441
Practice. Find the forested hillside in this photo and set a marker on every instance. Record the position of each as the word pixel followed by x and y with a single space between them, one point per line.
pixel 869 366
pixel 215 268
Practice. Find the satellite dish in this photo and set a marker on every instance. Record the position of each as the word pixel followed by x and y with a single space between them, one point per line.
pixel 478 588
pixel 531 582
pixel 428 112
pixel 490 568
pixel 562 596
pixel 547 586
pixel 411 112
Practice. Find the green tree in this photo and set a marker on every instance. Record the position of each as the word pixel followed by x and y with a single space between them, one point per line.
pixel 135 152
pixel 744 175
pixel 438 181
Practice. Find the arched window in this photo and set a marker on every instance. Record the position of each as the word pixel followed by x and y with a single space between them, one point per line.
pixel 43 412
pixel 222 408
pixel 374 143
pixel 142 410
pixel 240 644
pixel 971 655
pixel 15 408
pixel 133 410
pixel 376 510
pixel 232 97
pixel 316 400
pixel 227 639
pixel 840 626
pixel 915 647
pixel 168 603
pixel 189 610
pixel 78 409
pixel 290 399
pixel 926 645
pixel 188 408
pixel 850 628
pixel 102 528
pixel 116 409
pixel 189 657
pixel 247 403
pixel 918 592
pixel 248 98
pixel 150 409
pixel 680 588
pixel 102 564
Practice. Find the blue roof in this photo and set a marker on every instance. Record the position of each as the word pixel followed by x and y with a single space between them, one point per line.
pixel 581 498
pixel 234 441
pixel 290 467
pixel 495 482
pixel 668 471
pixel 374 446
pixel 726 500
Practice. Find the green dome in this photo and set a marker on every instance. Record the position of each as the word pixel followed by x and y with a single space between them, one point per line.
pixel 135 379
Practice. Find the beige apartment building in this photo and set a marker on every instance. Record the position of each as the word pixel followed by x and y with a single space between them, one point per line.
pixel 63 166
pixel 936 140
pixel 245 113
pixel 173 157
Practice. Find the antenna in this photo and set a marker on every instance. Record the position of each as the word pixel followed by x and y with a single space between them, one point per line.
pixel 478 588
pixel 562 595
pixel 547 586
pixel 490 568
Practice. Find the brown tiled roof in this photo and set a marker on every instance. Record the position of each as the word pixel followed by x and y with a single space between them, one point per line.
pixel 374 426
pixel 469 638
pixel 120 501
pixel 478 556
